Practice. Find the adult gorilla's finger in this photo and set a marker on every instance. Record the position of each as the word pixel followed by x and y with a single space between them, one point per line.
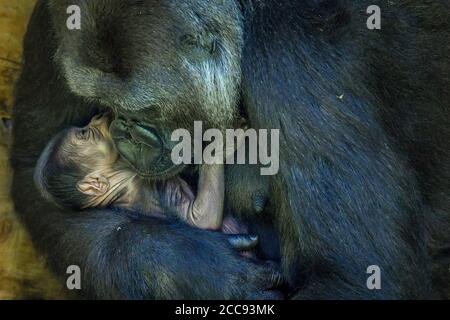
pixel 269 275
pixel 145 135
pixel 259 203
pixel 243 242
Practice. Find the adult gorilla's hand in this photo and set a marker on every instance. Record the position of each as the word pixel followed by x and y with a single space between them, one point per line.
pixel 169 260
pixel 141 147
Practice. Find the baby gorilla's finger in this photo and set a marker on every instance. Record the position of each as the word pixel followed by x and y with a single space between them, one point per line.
pixel 243 242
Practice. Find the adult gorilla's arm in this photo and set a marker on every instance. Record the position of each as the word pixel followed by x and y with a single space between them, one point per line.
pixel 124 257
pixel 346 200
pixel 120 256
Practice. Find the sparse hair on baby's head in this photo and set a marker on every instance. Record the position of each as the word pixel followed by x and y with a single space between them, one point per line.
pixel 58 171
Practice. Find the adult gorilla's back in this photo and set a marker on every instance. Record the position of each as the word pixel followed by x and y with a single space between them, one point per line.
pixel 364 138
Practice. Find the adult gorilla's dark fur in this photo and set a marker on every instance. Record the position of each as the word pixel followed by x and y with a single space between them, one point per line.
pixel 365 132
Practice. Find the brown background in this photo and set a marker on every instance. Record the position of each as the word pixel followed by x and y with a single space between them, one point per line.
pixel 22 271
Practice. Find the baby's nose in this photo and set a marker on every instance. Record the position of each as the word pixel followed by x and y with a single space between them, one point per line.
pixel 101 119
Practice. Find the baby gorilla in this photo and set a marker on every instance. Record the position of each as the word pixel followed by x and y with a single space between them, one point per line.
pixel 80 168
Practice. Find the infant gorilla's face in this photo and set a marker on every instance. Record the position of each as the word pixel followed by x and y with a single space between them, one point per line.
pixel 94 142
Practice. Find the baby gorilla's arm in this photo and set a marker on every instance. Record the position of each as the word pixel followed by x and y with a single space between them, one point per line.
pixel 206 211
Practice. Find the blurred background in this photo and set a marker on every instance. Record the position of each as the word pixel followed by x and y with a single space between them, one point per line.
pixel 22 271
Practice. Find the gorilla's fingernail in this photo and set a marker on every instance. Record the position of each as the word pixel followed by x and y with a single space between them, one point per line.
pixel 277 279
pixel 259 204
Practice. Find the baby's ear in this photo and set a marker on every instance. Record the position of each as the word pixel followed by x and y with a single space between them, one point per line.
pixel 93 185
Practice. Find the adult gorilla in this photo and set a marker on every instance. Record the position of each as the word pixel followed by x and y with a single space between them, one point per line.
pixel 364 138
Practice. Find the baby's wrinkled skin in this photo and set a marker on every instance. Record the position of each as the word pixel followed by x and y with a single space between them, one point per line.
pixel 204 210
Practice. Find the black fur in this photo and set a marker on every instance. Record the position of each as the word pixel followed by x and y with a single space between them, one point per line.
pixel 364 119
pixel 247 197
pixel 362 167
pixel 121 255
